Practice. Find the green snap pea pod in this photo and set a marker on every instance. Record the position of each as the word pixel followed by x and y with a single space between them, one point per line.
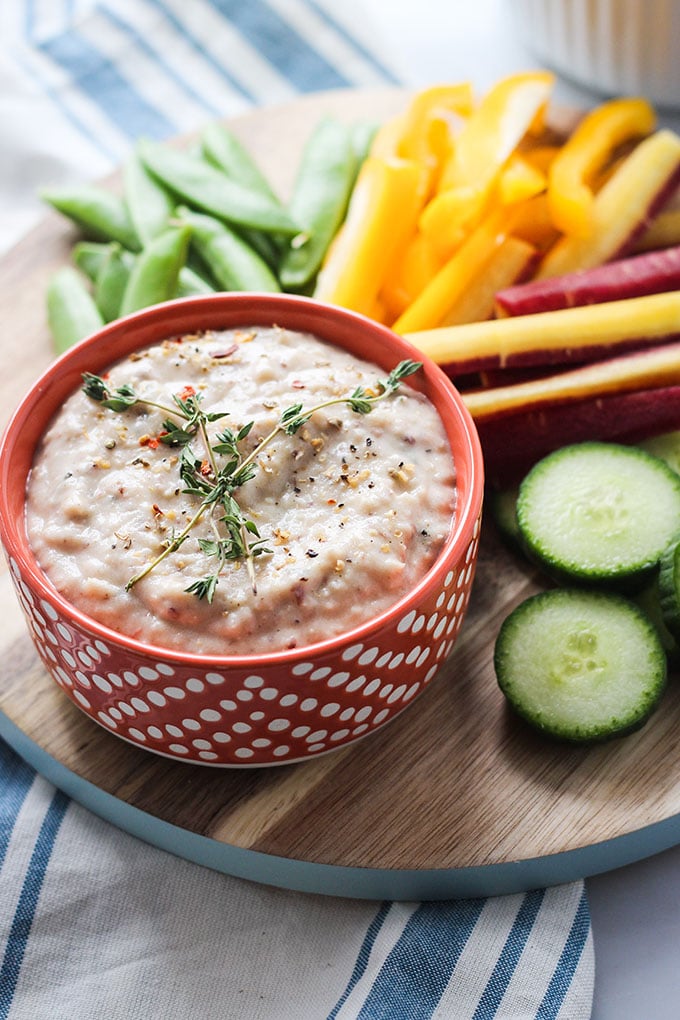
pixel 206 188
pixel 362 135
pixel 101 214
pixel 90 256
pixel 148 202
pixel 155 274
pixel 319 202
pixel 111 281
pixel 223 149
pixel 71 310
pixel 231 261
pixel 190 282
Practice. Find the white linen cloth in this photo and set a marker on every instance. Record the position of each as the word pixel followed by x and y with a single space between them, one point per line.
pixel 95 923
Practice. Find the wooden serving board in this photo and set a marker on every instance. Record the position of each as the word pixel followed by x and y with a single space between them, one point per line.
pixel 455 797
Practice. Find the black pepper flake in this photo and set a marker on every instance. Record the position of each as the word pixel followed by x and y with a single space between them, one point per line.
pixel 369 441
pixel 312 553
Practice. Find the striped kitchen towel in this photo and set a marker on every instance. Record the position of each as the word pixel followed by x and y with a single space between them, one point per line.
pixel 93 922
pixel 96 924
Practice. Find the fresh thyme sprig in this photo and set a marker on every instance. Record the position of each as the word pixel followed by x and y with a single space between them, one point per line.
pixel 213 479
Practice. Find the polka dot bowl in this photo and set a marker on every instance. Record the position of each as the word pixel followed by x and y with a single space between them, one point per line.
pixel 241 710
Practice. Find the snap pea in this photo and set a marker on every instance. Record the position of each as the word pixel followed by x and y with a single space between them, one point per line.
pixel 191 282
pixel 321 192
pixel 232 262
pixel 112 280
pixel 223 149
pixel 155 274
pixel 101 214
pixel 90 256
pixel 149 204
pixel 71 311
pixel 210 190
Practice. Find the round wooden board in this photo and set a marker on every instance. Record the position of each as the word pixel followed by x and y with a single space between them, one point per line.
pixel 454 798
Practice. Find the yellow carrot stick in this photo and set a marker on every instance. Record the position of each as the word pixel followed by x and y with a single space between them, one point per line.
pixel 650 318
pixel 650 369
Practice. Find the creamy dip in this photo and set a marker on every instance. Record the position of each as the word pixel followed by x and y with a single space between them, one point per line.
pixel 353 508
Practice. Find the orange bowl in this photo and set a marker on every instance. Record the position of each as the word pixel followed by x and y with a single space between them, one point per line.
pixel 244 710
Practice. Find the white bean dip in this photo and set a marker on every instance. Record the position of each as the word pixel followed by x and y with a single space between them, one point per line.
pixel 353 508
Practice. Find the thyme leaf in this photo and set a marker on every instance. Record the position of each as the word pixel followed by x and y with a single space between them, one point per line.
pixel 212 481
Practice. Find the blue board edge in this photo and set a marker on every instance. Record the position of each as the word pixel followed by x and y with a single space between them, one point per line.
pixel 337 880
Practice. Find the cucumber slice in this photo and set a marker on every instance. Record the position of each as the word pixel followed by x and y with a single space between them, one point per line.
pixel 669 589
pixel 599 514
pixel 503 505
pixel 649 600
pixel 665 446
pixel 580 665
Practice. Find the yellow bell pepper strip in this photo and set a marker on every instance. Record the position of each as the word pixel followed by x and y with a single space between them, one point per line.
pixel 418 264
pixel 586 152
pixel 533 223
pixel 495 129
pixel 444 290
pixel 510 263
pixel 519 180
pixel 386 140
pixel 622 208
pixel 425 135
pixel 381 217
pixel 447 216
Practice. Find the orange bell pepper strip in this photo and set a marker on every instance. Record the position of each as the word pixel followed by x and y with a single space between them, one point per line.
pixel 584 154
pixel 445 289
pixel 381 217
pixel 494 130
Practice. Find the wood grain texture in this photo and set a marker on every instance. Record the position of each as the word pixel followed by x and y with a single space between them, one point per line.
pixel 454 782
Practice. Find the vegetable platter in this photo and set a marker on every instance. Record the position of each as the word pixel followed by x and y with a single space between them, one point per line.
pixel 458 798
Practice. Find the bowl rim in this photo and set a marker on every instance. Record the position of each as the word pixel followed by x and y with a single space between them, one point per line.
pixel 14 538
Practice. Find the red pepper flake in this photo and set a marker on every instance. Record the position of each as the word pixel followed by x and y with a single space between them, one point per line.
pixel 205 467
pixel 187 392
pixel 331 502
pixel 226 353
pixel 157 512
pixel 297 384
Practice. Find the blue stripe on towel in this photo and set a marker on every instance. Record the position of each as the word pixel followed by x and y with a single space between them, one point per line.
pixel 510 954
pixel 156 56
pixel 278 42
pixel 185 31
pixel 362 957
pixel 16 778
pixel 568 962
pixel 415 974
pixel 28 901
pixel 99 78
